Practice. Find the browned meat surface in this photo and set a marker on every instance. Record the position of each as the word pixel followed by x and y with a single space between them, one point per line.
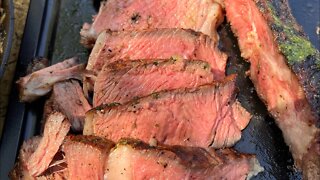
pixel 40 82
pixel 69 99
pixel 56 128
pixel 132 159
pixel 156 44
pixel 20 170
pixel 86 157
pixel 117 15
pixel 122 81
pixel 204 116
pixel 276 83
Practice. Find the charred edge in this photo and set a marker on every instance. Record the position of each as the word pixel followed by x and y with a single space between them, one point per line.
pixel 194 157
pixel 90 140
pixel 301 56
pixel 157 95
pixel 126 65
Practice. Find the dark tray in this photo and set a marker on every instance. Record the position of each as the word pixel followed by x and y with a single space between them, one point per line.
pixel 52 31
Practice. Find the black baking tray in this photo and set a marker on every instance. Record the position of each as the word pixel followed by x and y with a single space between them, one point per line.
pixel 52 31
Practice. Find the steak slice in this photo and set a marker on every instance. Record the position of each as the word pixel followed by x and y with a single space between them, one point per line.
pixel 70 100
pixel 125 80
pixel 275 82
pixel 20 170
pixel 133 159
pixel 86 156
pixel 156 44
pixel 117 15
pixel 203 116
pixel 56 128
pixel 39 83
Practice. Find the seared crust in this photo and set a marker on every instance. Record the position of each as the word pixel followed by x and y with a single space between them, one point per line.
pixel 301 56
pixel 195 157
pixel 93 141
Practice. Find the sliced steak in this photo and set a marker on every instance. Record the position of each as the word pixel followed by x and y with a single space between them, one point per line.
pixel 86 156
pixel 117 15
pixel 133 159
pixel 125 80
pixel 56 128
pixel 203 116
pixel 40 82
pixel 156 44
pixel 20 170
pixel 70 100
pixel 275 82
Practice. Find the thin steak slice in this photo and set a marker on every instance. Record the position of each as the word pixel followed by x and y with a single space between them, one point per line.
pixel 39 83
pixel 86 156
pixel 70 100
pixel 133 159
pixel 275 82
pixel 55 130
pixel 204 116
pixel 20 170
pixel 124 80
pixel 117 15
pixel 156 44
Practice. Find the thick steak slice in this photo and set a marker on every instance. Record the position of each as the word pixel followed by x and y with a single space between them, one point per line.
pixel 204 116
pixel 124 80
pixel 69 99
pixel 39 83
pixel 56 128
pixel 117 15
pixel 133 159
pixel 275 82
pixel 156 44
pixel 86 156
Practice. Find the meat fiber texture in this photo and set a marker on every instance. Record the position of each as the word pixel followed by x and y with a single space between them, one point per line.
pixel 86 156
pixel 277 84
pixel 123 81
pixel 40 82
pixel 90 157
pixel 205 116
pixel 156 44
pixel 70 100
pixel 37 154
pixel 118 15
pixel 177 162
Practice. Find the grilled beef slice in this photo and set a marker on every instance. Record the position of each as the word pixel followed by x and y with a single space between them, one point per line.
pixel 117 15
pixel 56 128
pixel 86 156
pixel 204 116
pixel 156 44
pixel 133 159
pixel 69 99
pixel 39 83
pixel 125 80
pixel 275 57
pixel 20 170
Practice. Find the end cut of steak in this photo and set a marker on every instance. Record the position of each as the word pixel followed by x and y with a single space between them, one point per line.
pixel 20 170
pixel 124 80
pixel 69 99
pixel 204 116
pixel 156 44
pixel 39 83
pixel 56 128
pixel 86 156
pixel 117 15
pixel 133 159
pixel 271 57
